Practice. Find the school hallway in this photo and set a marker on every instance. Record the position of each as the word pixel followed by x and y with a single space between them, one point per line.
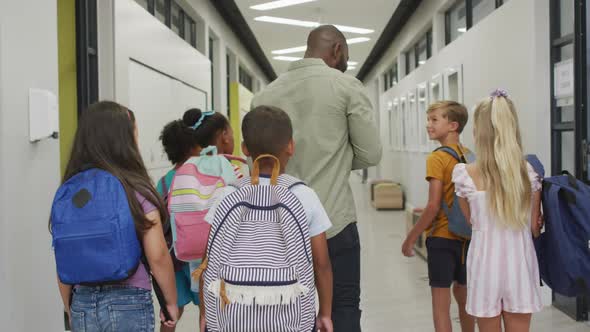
pixel 395 291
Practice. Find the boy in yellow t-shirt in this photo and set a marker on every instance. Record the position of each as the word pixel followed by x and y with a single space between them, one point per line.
pixel 446 251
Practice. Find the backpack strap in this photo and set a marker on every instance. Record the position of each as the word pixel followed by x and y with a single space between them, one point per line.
pixel 289 181
pixel 164 187
pixel 231 157
pixel 460 159
pixel 536 164
pixel 241 183
pixel 453 153
pixel 211 149
pixel 275 170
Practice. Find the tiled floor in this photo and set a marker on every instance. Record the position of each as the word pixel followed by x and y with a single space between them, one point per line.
pixel 395 292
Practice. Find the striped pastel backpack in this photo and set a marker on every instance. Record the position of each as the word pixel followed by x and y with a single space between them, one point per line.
pixel 259 274
pixel 191 194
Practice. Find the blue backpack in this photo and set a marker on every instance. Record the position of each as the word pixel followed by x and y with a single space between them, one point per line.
pixel 563 250
pixel 94 235
pixel 457 223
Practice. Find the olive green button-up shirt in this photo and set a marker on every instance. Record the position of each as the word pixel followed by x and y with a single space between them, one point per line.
pixel 333 128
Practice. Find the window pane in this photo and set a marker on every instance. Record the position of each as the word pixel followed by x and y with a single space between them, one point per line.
pixel 568 155
pixel 394 77
pixel 410 60
pixel 482 8
pixel 566 17
pixel 161 10
pixel 176 21
pixel 190 33
pixel 422 51
pixel 429 41
pixel 385 81
pixel 143 3
pixel 245 79
pixel 566 52
pixel 566 113
pixel 456 21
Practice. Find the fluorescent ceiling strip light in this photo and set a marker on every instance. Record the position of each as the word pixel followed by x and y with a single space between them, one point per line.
pixel 279 4
pixel 287 21
pixel 357 40
pixel 462 30
pixel 309 24
pixel 291 50
pixel 360 31
pixel 303 48
pixel 286 58
pixel 352 63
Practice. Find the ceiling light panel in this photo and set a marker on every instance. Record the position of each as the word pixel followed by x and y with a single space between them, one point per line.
pixel 291 50
pixel 286 58
pixel 287 21
pixel 361 31
pixel 309 24
pixel 279 4
pixel 357 40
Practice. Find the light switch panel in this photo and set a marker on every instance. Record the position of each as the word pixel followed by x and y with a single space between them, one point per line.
pixel 43 115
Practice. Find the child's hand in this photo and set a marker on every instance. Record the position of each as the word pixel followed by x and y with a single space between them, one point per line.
pixel 408 247
pixel 174 313
pixel 324 324
pixel 537 226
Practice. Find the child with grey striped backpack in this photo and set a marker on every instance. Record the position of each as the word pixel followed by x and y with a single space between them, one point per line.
pixel 267 252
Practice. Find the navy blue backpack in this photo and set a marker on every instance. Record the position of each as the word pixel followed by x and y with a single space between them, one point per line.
pixel 457 223
pixel 94 235
pixel 563 250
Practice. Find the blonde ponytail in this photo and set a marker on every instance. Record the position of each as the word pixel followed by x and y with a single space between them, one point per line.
pixel 501 162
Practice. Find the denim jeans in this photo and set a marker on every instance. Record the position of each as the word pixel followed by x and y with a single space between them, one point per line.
pixel 345 255
pixel 112 309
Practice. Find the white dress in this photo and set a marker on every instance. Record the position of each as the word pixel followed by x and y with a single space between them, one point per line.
pixel 502 266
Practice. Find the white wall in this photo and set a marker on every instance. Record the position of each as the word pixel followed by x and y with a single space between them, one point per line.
pixel 157 75
pixel 508 49
pixel 129 35
pixel 29 173
pixel 209 21
pixel 226 39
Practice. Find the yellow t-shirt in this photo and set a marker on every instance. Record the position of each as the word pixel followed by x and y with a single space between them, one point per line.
pixel 440 165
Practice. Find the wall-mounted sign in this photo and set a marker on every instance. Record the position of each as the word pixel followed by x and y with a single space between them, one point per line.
pixel 564 82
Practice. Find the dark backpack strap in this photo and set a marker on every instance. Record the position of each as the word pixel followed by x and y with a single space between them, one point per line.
pixel 452 152
pixel 301 183
pixel 536 164
pixel 156 286
pixel 289 181
pixel 164 186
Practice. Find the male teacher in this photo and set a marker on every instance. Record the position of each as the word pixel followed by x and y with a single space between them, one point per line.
pixel 335 133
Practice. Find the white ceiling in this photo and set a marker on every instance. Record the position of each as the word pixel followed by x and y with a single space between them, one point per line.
pixel 368 14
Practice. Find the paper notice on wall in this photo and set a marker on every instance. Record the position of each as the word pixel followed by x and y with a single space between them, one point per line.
pixel 564 81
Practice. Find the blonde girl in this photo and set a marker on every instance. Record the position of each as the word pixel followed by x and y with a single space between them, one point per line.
pixel 500 195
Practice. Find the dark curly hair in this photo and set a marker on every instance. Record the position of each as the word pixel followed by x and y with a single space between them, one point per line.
pixel 179 138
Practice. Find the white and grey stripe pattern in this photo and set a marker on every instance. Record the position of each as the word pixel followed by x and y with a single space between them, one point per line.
pixel 259 247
